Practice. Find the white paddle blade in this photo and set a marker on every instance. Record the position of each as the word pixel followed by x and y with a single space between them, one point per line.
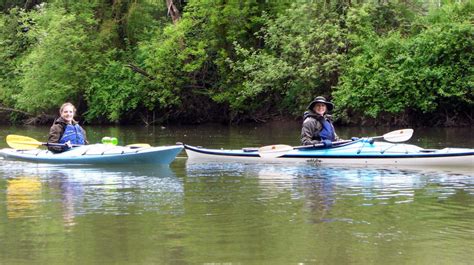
pixel 274 151
pixel 398 135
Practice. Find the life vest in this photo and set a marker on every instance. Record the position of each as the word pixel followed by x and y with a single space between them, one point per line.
pixel 72 133
pixel 326 133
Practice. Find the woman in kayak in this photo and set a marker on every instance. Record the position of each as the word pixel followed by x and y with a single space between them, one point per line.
pixel 66 130
pixel 317 124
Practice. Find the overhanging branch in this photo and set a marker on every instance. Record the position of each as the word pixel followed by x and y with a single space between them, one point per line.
pixel 16 110
pixel 140 71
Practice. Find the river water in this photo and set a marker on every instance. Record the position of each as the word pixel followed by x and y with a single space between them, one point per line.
pixel 235 213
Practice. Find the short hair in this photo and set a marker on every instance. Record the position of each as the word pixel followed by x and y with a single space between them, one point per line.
pixel 65 105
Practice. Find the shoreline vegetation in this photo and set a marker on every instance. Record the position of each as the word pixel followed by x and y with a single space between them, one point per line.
pixel 201 61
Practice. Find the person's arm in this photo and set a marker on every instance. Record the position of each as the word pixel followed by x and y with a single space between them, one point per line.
pixel 54 136
pixel 310 126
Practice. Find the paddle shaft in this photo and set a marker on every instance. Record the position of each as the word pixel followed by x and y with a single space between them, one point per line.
pixel 394 136
pixel 322 145
pixel 254 149
pixel 58 144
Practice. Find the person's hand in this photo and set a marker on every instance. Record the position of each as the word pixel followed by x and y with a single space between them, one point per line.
pixel 68 145
pixel 326 143
pixel 369 140
pixel 354 138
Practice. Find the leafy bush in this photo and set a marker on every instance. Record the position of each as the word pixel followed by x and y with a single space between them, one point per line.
pixel 301 59
pixel 58 65
pixel 396 74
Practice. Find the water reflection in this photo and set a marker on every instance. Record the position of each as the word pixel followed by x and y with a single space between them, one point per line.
pixel 23 196
pixel 333 207
pixel 321 187
pixel 81 190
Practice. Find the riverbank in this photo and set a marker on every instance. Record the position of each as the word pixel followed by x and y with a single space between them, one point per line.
pixel 441 119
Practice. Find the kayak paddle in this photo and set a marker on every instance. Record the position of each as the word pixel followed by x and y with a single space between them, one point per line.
pixel 28 143
pixel 396 136
pixel 274 151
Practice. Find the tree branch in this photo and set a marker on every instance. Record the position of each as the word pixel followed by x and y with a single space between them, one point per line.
pixel 140 71
pixel 16 110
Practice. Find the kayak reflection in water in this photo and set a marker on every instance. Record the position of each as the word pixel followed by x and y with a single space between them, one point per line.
pixel 317 124
pixel 65 130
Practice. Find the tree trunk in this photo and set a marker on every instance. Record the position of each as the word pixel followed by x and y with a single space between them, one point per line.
pixel 173 11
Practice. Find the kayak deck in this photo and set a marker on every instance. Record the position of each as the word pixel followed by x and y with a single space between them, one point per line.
pixel 358 152
pixel 97 154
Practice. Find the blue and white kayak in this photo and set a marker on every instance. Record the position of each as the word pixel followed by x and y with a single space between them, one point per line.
pixel 98 154
pixel 356 153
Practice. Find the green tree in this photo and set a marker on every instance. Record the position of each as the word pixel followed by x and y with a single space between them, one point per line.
pixel 188 59
pixel 126 61
pixel 14 44
pixel 397 75
pixel 301 58
pixel 115 92
pixel 58 65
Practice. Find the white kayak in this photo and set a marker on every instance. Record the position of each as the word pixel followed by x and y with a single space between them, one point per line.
pixel 352 153
pixel 98 154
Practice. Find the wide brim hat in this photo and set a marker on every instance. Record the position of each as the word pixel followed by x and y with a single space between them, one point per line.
pixel 323 100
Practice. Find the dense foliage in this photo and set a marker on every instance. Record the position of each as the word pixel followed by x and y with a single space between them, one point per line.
pixel 231 61
pixel 428 70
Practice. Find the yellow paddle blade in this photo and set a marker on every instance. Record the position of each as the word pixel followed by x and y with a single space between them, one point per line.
pixel 22 142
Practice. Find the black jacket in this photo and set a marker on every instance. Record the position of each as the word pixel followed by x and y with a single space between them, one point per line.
pixel 312 126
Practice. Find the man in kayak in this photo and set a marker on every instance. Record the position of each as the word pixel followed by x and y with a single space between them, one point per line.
pixel 66 130
pixel 317 124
